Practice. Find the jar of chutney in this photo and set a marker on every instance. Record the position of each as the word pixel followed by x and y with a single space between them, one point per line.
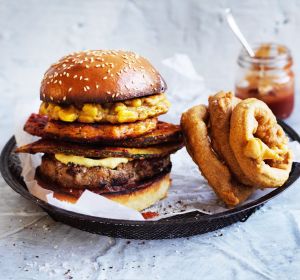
pixel 267 76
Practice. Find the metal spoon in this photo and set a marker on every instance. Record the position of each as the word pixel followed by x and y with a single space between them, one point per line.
pixel 237 32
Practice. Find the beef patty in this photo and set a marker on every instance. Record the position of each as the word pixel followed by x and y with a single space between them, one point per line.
pixel 101 178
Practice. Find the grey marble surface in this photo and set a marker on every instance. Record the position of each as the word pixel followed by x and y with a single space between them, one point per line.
pixel 34 34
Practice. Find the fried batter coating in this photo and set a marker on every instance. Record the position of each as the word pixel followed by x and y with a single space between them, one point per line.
pixel 260 144
pixel 220 109
pixel 218 175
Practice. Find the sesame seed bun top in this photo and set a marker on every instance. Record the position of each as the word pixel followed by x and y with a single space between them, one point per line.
pixel 100 76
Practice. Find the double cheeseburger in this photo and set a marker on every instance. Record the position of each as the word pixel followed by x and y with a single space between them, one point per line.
pixel 99 129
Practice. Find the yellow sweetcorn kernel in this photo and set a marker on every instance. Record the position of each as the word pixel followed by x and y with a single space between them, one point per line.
pixel 119 112
pixel 55 111
pixel 90 113
pixel 43 108
pixel 127 116
pixel 67 114
pixel 136 102
pixel 90 110
pixel 120 107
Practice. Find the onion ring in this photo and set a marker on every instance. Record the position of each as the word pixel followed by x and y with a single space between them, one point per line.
pixel 220 109
pixel 218 175
pixel 260 144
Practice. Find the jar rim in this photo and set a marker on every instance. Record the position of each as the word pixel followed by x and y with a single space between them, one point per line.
pixel 279 60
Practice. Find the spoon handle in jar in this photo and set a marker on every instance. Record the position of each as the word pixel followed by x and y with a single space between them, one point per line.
pixel 237 32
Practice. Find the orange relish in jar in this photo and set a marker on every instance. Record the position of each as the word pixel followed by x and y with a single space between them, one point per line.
pixel 268 76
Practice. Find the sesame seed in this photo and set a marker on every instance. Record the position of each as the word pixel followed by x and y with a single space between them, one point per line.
pixel 103 65
pixel 64 98
pixel 84 88
pixel 86 66
pixel 86 79
pixel 60 82
pixel 104 78
pixel 80 78
pixel 87 87
pixel 69 89
pixel 98 65
pixel 111 74
pixel 75 76
pixel 67 74
pixel 97 86
pixel 55 81
pixel 51 98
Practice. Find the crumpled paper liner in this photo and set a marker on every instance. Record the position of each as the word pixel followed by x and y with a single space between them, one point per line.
pixel 189 191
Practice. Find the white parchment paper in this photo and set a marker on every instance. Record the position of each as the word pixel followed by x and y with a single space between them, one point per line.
pixel 189 190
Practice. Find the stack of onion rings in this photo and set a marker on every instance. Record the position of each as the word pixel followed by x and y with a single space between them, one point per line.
pixel 237 145
pixel 218 175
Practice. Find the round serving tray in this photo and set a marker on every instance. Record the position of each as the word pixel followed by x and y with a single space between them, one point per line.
pixel 177 226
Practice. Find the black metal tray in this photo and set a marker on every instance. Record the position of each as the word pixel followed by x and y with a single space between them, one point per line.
pixel 176 226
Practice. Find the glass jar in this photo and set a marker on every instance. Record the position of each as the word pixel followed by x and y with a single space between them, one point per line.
pixel 268 76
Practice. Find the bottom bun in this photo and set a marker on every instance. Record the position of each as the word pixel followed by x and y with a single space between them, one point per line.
pixel 145 197
pixel 140 198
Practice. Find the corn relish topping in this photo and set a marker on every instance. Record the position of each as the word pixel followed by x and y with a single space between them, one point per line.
pixel 119 112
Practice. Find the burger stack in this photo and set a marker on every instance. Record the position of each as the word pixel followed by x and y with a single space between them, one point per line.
pixel 99 129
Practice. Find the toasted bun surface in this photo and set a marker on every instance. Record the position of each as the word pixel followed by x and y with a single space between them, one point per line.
pixel 146 197
pixel 100 76
pixel 138 199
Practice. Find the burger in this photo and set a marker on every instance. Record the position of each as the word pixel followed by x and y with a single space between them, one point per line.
pixel 99 129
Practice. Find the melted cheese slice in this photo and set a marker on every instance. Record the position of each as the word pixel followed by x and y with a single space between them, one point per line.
pixel 111 162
